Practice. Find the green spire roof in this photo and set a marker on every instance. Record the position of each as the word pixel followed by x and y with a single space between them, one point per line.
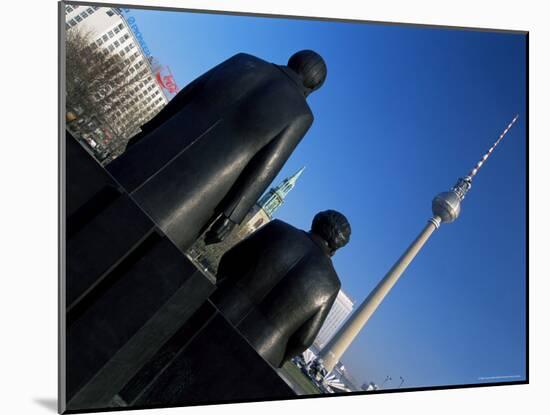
pixel 275 197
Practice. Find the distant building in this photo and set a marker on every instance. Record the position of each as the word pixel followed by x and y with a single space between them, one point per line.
pixel 339 312
pixel 341 377
pixel 371 386
pixel 275 197
pixel 208 256
pixel 262 212
pixel 338 380
pixel 113 33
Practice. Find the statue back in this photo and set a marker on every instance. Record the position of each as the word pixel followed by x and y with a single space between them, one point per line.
pixel 273 283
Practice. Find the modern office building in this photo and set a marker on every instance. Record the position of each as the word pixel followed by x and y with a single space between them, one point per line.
pixel 114 31
pixel 342 308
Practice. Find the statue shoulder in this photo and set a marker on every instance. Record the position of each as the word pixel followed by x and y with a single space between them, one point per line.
pixel 245 57
pixel 274 230
pixel 282 226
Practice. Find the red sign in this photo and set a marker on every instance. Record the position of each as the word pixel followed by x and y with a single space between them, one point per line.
pixel 167 81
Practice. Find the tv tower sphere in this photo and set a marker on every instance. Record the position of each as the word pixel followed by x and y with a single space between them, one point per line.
pixel 446 206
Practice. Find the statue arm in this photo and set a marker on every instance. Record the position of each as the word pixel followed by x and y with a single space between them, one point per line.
pixel 262 169
pixel 305 335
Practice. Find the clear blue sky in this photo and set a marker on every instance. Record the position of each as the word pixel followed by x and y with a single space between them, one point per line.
pixel 403 113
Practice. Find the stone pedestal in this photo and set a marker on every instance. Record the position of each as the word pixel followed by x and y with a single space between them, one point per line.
pixel 206 361
pixel 140 330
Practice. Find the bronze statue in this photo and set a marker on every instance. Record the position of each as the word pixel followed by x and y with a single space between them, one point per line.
pixel 278 285
pixel 214 149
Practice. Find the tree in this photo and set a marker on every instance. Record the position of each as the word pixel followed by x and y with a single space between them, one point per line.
pixel 104 87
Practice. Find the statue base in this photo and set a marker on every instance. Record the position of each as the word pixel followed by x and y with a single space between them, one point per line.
pixel 141 332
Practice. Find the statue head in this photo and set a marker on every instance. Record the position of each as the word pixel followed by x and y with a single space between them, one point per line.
pixel 333 228
pixel 310 67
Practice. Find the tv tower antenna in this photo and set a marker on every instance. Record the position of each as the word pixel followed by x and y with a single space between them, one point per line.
pixel 445 208
pixel 474 171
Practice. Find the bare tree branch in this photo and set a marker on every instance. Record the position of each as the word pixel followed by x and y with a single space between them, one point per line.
pixel 101 84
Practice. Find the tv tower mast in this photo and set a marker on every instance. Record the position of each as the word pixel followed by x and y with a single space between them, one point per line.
pixel 445 208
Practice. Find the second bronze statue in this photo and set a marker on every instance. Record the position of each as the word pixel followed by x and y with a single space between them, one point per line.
pixel 216 147
pixel 278 285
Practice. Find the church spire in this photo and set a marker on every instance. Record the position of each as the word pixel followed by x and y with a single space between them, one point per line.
pixel 275 197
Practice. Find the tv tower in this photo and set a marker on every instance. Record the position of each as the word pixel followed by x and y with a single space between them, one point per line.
pixel 445 208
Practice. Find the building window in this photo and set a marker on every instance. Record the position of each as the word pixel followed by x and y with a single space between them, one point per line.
pixel 78 18
pixel 100 42
pixel 67 26
pixel 110 13
pixel 121 26
pixel 117 30
pixel 90 10
pixel 105 38
pixel 257 223
pixel 116 43
pixel 84 14
pixel 127 49
pixel 122 40
pixel 110 33
pixel 68 9
pixel 72 22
